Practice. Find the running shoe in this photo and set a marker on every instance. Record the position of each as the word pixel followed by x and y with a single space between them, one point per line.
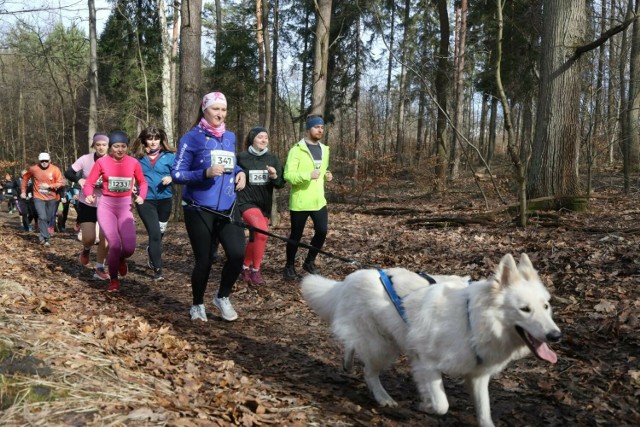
pixel 84 256
pixel 100 274
pixel 310 268
pixel 226 309
pixel 157 274
pixel 123 269
pixel 197 312
pixel 289 273
pixel 245 276
pixel 114 286
pixel 256 278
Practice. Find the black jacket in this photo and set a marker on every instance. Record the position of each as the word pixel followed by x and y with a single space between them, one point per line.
pixel 259 189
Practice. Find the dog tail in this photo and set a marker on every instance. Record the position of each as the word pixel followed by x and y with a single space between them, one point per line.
pixel 320 294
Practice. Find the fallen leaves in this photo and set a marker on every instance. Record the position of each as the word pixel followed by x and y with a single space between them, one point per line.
pixel 136 359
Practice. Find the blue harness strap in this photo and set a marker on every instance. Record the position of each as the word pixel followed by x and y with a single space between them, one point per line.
pixel 388 286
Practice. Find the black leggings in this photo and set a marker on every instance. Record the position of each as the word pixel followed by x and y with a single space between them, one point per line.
pixel 152 212
pixel 320 221
pixel 205 229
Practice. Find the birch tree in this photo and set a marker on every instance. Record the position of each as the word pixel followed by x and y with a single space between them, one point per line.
pixel 93 74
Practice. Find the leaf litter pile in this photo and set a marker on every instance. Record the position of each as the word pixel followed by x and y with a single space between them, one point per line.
pixel 71 354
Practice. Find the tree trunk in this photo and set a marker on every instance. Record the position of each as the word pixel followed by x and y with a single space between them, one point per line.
pixel 356 101
pixel 321 57
pixel 442 89
pixel 459 89
pixel 387 98
pixel 632 137
pixel 527 130
pixel 554 167
pixel 425 58
pixel 513 153
pixel 624 106
pixel 21 123
pixel 190 74
pixel 93 74
pixel 305 67
pixel 613 104
pixel 274 70
pixel 493 124
pixel 143 66
pixel 272 123
pixel 402 86
pixel 484 110
pixel 261 61
pixel 174 64
pixel 218 34
pixel 167 96
pixel 268 90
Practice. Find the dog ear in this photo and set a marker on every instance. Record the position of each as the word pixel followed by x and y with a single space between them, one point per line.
pixel 507 271
pixel 526 268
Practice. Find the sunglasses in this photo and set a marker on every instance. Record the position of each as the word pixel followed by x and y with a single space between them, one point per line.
pixel 44 161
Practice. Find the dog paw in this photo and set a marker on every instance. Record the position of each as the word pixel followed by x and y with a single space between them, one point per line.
pixel 428 408
pixel 388 403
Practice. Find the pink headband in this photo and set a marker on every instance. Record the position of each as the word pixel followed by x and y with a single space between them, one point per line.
pixel 213 98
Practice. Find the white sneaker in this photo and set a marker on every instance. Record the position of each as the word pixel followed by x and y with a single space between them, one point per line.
pixel 197 313
pixel 226 309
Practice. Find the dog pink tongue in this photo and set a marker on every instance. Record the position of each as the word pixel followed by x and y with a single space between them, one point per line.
pixel 544 352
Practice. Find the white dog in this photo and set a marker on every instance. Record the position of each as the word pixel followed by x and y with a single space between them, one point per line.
pixel 454 327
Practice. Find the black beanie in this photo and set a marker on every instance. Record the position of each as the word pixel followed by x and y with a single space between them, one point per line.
pixel 253 133
pixel 118 136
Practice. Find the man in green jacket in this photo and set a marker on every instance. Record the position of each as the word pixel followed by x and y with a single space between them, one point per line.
pixel 306 171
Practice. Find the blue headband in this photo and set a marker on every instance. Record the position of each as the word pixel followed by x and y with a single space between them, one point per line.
pixel 314 121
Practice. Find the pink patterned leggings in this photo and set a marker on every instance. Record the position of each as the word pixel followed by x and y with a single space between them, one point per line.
pixel 116 221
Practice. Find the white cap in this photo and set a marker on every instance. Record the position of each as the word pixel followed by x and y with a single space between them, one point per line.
pixel 44 156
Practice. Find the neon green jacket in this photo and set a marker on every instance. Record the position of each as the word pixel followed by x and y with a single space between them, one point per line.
pixel 306 194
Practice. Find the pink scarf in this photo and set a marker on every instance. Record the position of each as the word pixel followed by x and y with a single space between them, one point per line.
pixel 217 132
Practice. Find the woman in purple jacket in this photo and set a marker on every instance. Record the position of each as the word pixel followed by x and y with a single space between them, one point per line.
pixel 205 164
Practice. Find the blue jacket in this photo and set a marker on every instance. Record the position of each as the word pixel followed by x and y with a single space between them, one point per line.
pixel 154 174
pixel 194 156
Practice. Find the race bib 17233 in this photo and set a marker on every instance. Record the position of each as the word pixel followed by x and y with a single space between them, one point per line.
pixel 118 184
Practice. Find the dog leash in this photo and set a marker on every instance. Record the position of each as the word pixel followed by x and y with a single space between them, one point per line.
pixel 384 278
pixel 252 228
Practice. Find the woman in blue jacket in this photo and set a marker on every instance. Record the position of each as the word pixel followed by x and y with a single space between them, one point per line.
pixel 156 157
pixel 206 165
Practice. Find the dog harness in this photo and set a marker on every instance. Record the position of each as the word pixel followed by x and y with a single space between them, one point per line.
pixel 426 277
pixel 397 301
pixel 388 286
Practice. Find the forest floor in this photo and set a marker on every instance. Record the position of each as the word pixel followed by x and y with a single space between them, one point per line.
pixel 72 354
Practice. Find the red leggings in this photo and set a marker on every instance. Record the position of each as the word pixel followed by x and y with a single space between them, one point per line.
pixel 257 241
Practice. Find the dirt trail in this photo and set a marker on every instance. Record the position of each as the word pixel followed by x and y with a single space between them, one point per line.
pixel 71 354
